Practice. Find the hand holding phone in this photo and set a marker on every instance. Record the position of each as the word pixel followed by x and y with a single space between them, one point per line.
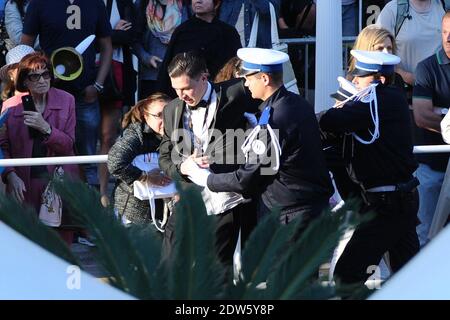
pixel 28 105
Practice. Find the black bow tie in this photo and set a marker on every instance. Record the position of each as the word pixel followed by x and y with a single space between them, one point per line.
pixel 201 104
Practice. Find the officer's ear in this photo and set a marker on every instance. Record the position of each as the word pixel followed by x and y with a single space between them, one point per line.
pixel 266 78
pixel 383 79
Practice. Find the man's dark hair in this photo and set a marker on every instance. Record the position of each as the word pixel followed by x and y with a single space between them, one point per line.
pixel 187 63
pixel 277 77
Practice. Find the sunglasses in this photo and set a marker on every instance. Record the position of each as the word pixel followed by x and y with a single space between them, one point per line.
pixel 35 77
pixel 157 116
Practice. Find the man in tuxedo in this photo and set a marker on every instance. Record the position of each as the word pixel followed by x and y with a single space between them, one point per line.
pixel 200 119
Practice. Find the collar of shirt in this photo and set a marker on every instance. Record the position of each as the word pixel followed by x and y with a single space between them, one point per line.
pixel 199 125
pixel 442 57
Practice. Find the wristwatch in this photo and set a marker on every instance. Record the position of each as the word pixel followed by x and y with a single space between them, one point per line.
pixel 48 132
pixel 98 87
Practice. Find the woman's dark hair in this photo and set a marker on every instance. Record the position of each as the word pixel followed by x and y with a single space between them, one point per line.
pixel 32 62
pixel 229 70
pixel 20 5
pixel 8 86
pixel 136 113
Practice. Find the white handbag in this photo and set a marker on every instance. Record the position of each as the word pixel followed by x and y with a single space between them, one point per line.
pixel 290 82
pixel 50 212
pixel 145 191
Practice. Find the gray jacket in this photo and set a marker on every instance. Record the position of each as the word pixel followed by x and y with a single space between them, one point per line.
pixel 137 139
pixel 14 23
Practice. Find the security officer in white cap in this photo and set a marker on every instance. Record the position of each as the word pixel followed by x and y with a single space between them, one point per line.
pixel 379 155
pixel 285 170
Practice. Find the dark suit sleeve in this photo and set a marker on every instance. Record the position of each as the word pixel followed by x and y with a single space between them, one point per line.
pixel 166 161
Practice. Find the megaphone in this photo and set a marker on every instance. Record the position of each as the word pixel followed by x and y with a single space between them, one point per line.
pixel 67 61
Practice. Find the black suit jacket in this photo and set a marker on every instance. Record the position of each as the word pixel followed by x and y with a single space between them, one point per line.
pixel 233 99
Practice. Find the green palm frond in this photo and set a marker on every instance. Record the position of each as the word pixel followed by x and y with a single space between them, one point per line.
pixel 121 250
pixel 301 263
pixel 25 221
pixel 132 255
pixel 194 269
pixel 264 247
pixel 316 291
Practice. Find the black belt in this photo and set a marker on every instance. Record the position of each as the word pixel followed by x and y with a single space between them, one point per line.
pixel 404 191
pixel 372 198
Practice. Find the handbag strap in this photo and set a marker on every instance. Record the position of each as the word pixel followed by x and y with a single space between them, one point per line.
pixel 254 32
pixel 273 26
pixel 151 201
pixel 275 38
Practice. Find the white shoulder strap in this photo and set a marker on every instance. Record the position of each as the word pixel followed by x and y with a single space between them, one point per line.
pixel 273 28
pixel 254 32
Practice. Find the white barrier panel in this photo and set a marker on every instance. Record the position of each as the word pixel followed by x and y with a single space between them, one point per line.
pixel 425 277
pixel 29 272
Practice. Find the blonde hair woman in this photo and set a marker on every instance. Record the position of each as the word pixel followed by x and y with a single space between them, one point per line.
pixel 373 38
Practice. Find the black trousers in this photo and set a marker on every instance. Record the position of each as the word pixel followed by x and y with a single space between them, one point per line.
pixel 392 230
pixel 227 232
pixel 306 212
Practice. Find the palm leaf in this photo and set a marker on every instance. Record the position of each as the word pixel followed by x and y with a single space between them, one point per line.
pixel 26 222
pixel 316 291
pixel 313 248
pixel 121 251
pixel 194 268
pixel 264 247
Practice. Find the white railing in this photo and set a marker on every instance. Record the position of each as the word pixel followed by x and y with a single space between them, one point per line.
pixel 23 162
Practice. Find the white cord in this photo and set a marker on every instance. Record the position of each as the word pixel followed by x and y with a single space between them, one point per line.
pixel 246 146
pixel 369 92
pixel 374 115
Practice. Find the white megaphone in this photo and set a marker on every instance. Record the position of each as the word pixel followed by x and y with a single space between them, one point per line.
pixel 67 61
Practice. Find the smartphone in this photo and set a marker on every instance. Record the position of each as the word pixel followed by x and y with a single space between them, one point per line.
pixel 28 105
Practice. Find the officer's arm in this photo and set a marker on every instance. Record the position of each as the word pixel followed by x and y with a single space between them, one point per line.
pixel 424 116
pixel 250 175
pixel 169 160
pixel 242 180
pixel 353 116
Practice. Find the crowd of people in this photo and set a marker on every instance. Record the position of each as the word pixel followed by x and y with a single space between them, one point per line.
pixel 174 79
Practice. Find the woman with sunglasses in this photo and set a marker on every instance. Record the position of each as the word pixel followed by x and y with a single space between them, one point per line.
pixel 143 130
pixel 48 131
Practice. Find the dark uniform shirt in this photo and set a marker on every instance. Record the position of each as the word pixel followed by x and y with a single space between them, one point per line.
pixel 302 178
pixel 387 161
pixel 433 83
